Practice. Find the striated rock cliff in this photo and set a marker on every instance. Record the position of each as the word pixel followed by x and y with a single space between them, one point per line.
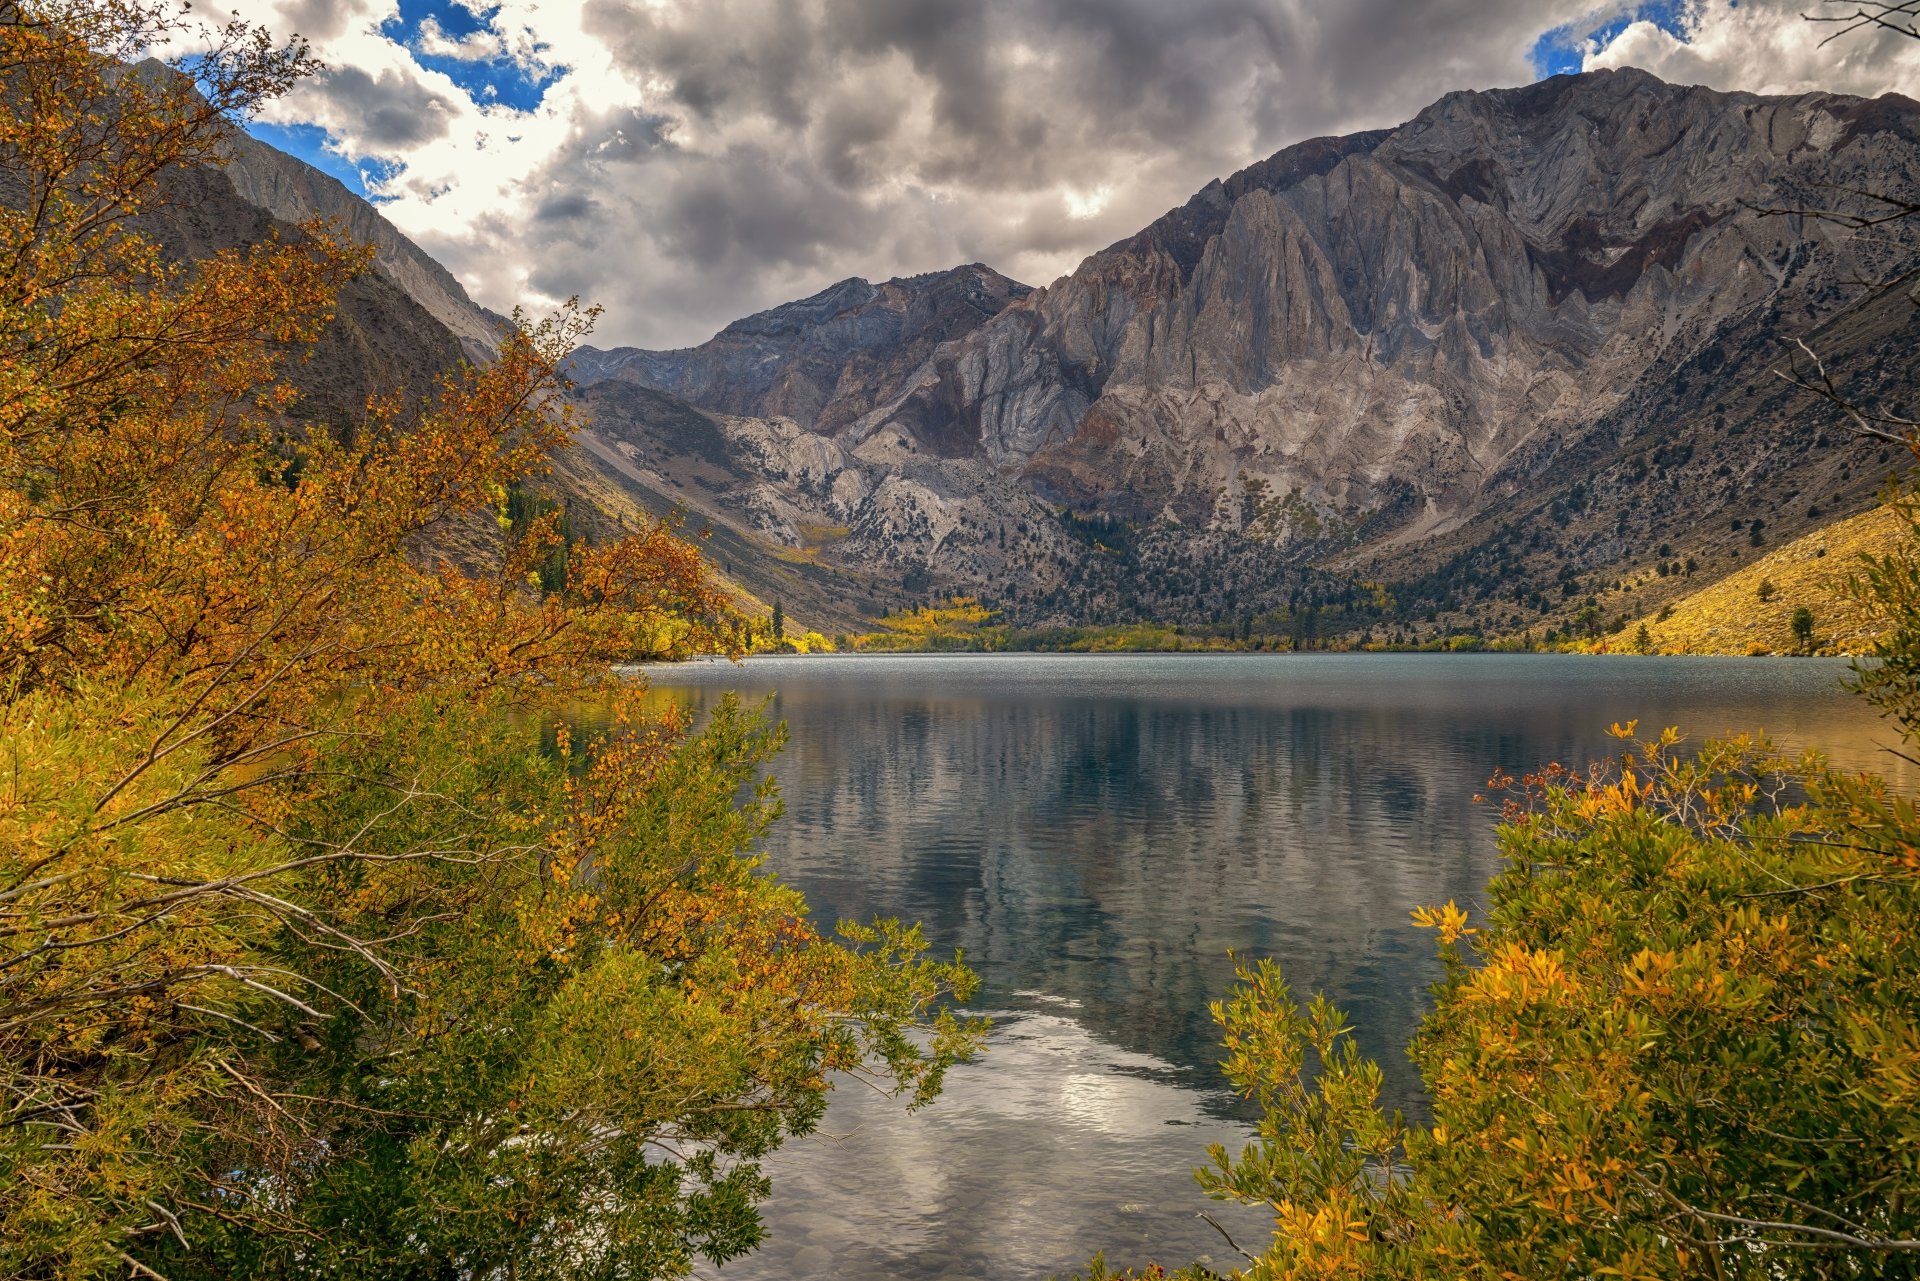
pixel 1409 308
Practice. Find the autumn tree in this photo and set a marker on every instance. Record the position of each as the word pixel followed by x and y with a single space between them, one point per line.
pixel 295 907
pixel 1679 1044
pixel 1680 1041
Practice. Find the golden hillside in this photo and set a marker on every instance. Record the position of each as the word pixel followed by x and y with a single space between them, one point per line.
pixel 1729 616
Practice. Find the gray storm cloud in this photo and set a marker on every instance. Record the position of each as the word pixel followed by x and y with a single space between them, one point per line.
pixel 389 109
pixel 806 142
pixel 785 144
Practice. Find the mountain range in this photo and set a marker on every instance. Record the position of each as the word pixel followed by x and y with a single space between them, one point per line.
pixel 1495 363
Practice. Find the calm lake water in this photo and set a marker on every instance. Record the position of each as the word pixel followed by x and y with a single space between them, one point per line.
pixel 1097 832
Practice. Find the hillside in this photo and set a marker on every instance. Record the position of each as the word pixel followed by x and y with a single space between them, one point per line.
pixel 398 329
pixel 1730 616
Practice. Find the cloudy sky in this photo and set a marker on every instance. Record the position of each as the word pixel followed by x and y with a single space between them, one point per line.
pixel 686 162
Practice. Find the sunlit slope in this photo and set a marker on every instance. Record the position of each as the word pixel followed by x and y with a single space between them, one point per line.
pixel 1730 616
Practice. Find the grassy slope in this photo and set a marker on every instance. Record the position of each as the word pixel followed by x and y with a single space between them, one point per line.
pixel 1728 616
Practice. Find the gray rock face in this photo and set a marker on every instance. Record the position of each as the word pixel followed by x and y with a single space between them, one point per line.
pixel 205 212
pixel 381 340
pixel 1407 309
pixel 1361 343
pixel 835 535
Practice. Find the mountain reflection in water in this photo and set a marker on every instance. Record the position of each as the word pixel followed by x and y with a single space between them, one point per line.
pixel 1097 833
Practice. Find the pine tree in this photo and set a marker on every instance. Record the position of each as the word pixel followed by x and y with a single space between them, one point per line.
pixel 1802 625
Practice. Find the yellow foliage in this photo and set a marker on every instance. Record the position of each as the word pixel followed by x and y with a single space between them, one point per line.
pixel 1449 919
pixel 214 621
pixel 962 622
pixel 960 613
pixel 1685 1043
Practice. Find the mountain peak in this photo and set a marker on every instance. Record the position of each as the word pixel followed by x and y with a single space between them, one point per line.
pixel 1529 332
pixel 787 361
pixel 803 313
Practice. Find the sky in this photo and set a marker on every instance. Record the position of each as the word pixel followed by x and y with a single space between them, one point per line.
pixel 683 163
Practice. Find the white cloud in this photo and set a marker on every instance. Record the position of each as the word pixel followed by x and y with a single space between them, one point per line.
pixel 1766 46
pixel 475 46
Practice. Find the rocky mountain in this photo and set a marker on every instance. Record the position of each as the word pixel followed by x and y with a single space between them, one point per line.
pixel 382 337
pixel 818 360
pixel 408 320
pixel 1497 364
pixel 747 434
pixel 292 191
pixel 1356 318
pixel 1545 316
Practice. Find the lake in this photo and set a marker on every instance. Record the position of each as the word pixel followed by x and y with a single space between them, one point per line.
pixel 1097 833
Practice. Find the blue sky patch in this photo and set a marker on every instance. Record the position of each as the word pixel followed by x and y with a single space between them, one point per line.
pixel 485 80
pixel 1558 51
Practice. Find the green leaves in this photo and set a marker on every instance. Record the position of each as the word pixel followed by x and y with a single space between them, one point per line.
pixel 1326 1158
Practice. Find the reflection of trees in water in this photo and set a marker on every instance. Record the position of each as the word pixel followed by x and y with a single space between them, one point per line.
pixel 1110 850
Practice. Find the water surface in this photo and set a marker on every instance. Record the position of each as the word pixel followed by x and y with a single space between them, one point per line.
pixel 1098 832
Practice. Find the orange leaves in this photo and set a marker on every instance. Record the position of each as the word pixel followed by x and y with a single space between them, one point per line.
pixel 198 555
pixel 1610 799
pixel 1645 976
pixel 157 515
pixel 1322 1238
pixel 281 829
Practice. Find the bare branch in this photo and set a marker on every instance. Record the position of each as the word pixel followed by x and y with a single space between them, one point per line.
pixel 1824 1238
pixel 1864 422
pixel 1895 17
pixel 1227 1237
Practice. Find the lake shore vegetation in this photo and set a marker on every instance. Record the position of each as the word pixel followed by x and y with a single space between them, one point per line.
pixel 1753 609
